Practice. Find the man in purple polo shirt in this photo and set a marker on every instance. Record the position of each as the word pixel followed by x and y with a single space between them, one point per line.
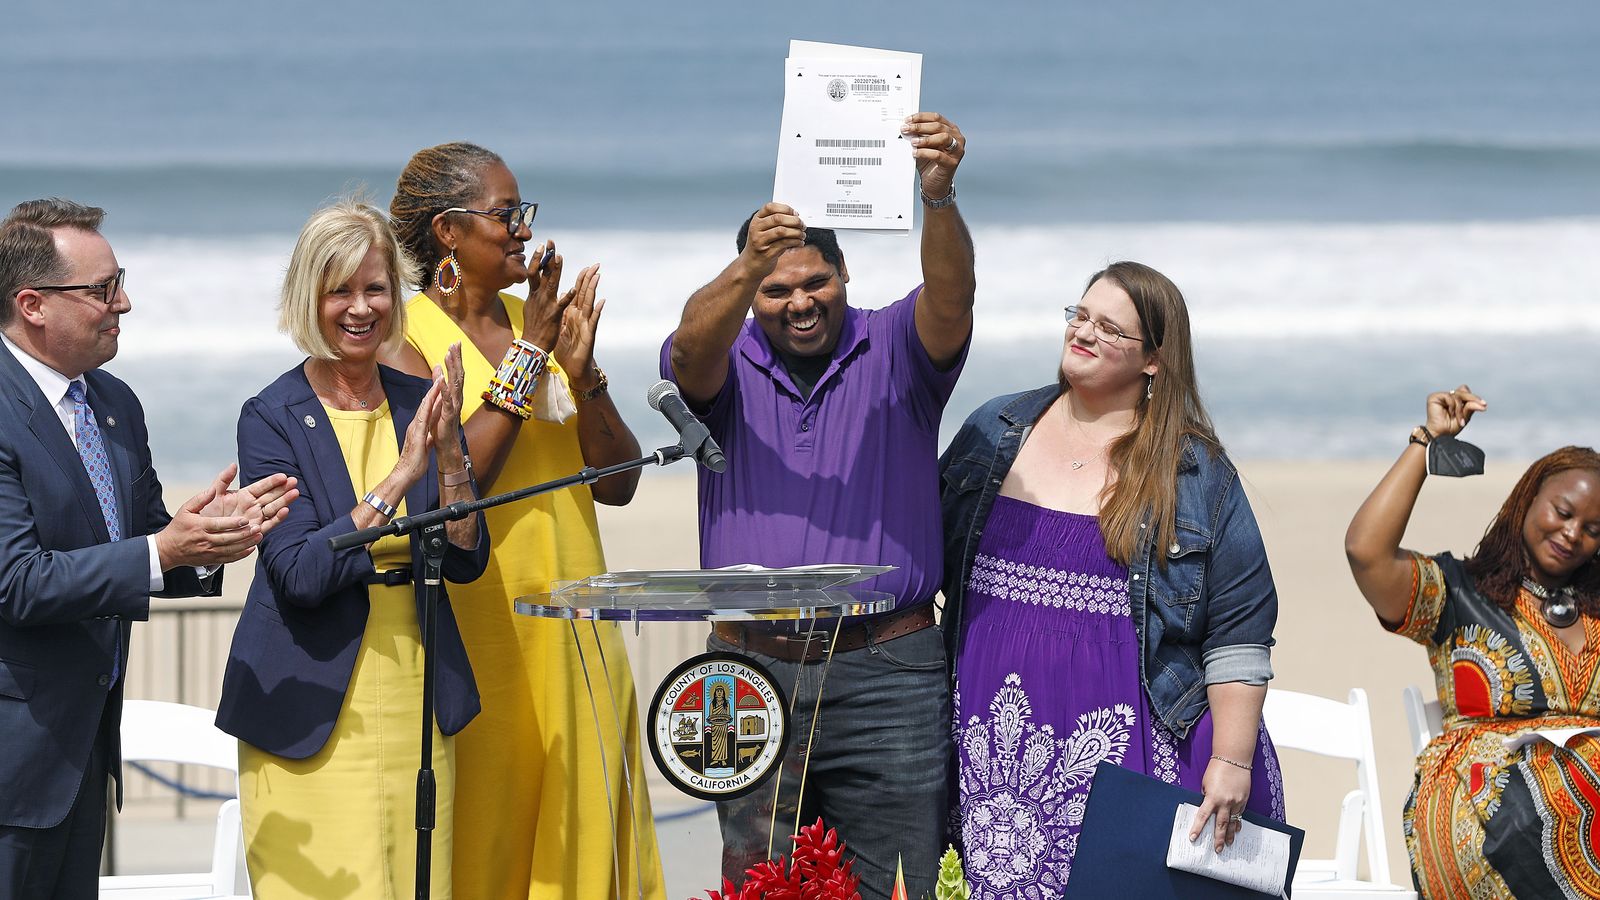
pixel 829 417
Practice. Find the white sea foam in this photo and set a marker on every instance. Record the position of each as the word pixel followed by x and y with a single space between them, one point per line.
pixel 1312 340
pixel 201 297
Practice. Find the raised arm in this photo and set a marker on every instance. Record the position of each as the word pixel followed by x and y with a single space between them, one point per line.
pixel 714 313
pixel 603 437
pixel 944 308
pixel 1382 569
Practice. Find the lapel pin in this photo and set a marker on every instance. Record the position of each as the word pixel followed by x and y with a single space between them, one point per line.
pixel 310 422
pixel 111 421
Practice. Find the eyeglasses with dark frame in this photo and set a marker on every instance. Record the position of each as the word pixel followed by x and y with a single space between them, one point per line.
pixel 515 218
pixel 108 289
pixel 1077 318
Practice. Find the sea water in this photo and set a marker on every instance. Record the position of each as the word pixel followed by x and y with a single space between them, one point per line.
pixel 1362 202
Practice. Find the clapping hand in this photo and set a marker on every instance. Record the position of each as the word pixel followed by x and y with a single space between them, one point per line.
pixel 575 349
pixel 541 315
pixel 448 380
pixel 219 525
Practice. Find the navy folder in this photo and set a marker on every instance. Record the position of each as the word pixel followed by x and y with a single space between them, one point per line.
pixel 1122 848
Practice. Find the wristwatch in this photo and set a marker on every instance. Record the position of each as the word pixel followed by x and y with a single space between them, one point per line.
pixel 942 202
pixel 1424 438
pixel 597 390
pixel 376 502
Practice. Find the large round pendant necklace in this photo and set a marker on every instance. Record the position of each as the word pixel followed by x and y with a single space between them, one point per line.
pixel 1560 608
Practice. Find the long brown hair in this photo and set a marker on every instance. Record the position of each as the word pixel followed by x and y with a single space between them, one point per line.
pixel 1501 560
pixel 1146 458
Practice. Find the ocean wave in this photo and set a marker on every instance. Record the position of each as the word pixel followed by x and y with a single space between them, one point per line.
pixel 1262 281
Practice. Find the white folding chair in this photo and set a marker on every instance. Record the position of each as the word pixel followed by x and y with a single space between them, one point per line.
pixel 1425 718
pixel 153 731
pixel 1344 731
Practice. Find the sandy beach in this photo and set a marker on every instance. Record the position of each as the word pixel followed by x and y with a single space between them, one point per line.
pixel 1328 641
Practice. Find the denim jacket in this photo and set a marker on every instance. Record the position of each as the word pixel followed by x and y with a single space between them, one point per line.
pixel 1206 617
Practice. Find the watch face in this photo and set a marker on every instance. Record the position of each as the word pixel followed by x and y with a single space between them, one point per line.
pixel 718 726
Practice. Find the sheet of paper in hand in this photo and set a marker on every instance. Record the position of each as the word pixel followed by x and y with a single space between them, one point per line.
pixel 842 161
pixel 1257 859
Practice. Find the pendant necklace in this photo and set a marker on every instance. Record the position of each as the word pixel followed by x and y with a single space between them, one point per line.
pixel 1560 608
pixel 1080 463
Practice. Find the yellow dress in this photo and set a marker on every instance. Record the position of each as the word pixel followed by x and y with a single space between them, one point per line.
pixel 531 771
pixel 342 823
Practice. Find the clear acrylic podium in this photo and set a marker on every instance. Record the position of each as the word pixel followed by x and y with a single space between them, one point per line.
pixel 738 593
pixel 804 597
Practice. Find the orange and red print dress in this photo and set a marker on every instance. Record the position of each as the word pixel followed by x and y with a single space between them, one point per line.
pixel 1484 820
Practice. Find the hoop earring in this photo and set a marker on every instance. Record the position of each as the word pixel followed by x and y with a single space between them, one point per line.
pixel 1150 388
pixel 447 275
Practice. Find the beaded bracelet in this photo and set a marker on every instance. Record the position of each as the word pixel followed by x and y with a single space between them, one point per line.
pixel 513 383
pixel 1236 765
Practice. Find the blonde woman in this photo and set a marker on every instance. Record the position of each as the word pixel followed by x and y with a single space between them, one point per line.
pixel 324 681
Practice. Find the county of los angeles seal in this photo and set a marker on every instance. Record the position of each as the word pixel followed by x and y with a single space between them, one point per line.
pixel 718 726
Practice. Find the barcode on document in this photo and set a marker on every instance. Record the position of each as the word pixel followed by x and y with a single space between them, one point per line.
pixel 872 86
pixel 851 143
pixel 849 209
pixel 849 160
pixel 847 182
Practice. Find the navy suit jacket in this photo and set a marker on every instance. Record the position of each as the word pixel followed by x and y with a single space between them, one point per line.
pixel 68 595
pixel 295 647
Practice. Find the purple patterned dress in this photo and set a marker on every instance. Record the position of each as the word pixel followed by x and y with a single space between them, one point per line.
pixel 1047 687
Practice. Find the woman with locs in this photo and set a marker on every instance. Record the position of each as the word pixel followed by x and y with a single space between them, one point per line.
pixel 533 771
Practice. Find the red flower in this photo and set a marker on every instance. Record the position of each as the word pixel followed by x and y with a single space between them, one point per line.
pixel 819 872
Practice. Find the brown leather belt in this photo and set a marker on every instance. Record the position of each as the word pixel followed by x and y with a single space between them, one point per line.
pixel 811 646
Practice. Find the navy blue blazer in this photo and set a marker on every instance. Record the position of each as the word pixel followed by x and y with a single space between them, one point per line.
pixel 295 647
pixel 68 595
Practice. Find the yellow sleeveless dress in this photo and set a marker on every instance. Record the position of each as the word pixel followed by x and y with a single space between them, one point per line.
pixel 342 822
pixel 531 769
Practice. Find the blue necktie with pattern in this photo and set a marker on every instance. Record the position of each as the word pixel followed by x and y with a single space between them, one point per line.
pixel 92 450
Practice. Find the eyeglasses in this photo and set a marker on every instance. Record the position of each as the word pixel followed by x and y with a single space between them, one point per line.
pixel 108 289
pixel 515 218
pixel 1077 318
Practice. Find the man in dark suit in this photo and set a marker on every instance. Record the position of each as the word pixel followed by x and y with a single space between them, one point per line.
pixel 85 541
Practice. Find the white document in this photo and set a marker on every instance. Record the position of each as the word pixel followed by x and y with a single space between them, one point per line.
pixel 842 161
pixel 1561 737
pixel 1258 858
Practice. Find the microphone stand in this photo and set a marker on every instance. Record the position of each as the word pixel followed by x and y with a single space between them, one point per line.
pixel 432 525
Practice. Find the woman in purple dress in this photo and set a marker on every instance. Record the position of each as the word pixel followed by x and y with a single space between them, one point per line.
pixel 1107 595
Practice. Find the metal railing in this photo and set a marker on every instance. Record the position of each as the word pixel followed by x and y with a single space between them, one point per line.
pixel 180 654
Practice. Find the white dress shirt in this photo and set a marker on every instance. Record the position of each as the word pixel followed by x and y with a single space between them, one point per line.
pixel 54 385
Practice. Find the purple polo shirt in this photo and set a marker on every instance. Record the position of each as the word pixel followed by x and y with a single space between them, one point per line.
pixel 850 476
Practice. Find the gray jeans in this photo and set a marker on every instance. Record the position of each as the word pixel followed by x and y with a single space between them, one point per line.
pixel 879 767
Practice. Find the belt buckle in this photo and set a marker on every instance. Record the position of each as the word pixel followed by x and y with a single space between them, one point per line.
pixel 813 638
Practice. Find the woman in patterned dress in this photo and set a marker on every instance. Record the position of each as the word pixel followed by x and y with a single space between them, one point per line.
pixel 1513 634
pixel 1107 595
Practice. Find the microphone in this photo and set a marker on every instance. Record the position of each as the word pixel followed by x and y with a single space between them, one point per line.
pixel 692 433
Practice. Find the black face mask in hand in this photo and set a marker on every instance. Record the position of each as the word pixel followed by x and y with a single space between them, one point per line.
pixel 1455 458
